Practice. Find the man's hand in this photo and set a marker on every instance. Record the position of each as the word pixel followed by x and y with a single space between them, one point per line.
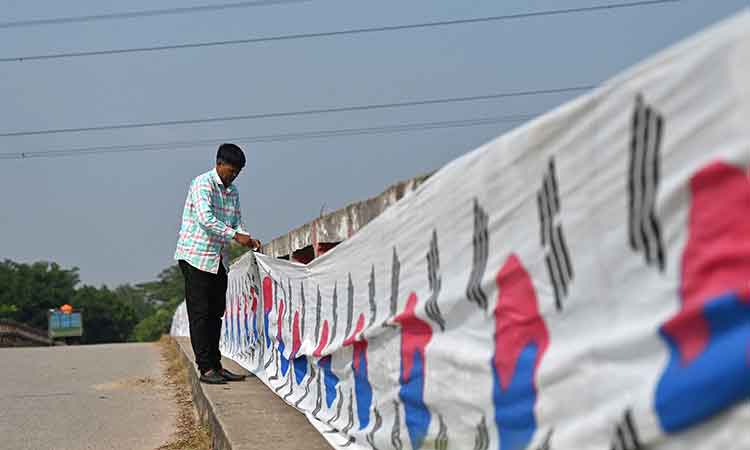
pixel 244 239
pixel 247 241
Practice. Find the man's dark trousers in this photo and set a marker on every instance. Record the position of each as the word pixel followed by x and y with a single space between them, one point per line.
pixel 205 296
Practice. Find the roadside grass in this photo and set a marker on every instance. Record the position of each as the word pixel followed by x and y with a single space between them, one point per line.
pixel 191 434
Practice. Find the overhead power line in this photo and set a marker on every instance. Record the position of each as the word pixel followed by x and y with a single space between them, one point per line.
pixel 283 137
pixel 352 31
pixel 146 13
pixel 305 112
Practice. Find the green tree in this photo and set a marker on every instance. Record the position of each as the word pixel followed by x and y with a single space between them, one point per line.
pixel 154 326
pixel 165 294
pixel 106 316
pixel 140 312
pixel 167 290
pixel 6 311
pixel 137 298
pixel 27 291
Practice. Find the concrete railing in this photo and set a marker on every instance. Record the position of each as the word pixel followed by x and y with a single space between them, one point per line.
pixel 13 334
pixel 307 242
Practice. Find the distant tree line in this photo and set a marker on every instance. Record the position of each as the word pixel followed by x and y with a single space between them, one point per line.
pixel 140 312
pixel 129 312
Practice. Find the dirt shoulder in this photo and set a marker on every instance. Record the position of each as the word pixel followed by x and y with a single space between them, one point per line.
pixel 190 434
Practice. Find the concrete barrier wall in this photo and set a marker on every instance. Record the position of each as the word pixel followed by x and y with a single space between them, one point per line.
pixel 316 237
pixel 14 334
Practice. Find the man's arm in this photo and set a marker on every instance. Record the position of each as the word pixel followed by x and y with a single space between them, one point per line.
pixel 206 217
pixel 242 236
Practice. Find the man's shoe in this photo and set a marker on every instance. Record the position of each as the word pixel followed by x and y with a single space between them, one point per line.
pixel 229 376
pixel 212 377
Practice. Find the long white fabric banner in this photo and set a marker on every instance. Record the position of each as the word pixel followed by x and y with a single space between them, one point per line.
pixel 582 282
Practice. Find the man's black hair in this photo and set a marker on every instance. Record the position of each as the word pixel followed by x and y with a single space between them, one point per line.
pixel 231 154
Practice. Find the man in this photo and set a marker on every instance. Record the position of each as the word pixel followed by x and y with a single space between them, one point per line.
pixel 210 221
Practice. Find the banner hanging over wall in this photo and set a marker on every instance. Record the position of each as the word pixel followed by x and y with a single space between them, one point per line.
pixel 582 282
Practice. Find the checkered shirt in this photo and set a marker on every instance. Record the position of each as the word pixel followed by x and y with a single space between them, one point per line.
pixel 210 220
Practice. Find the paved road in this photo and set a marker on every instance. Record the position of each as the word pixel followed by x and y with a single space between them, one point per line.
pixel 84 397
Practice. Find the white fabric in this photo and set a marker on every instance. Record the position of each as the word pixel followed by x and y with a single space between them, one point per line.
pixel 180 325
pixel 659 153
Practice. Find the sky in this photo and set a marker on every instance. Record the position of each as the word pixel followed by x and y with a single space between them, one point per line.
pixel 116 216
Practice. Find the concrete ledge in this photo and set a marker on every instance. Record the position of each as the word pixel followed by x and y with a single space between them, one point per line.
pixel 247 415
pixel 339 225
pixel 13 334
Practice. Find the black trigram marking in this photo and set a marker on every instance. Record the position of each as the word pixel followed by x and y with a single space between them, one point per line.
pixel 545 444
pixel 281 387
pixel 482 436
pixel 261 347
pixel 371 289
pixel 229 324
pixel 626 435
pixel 279 287
pixel 277 371
pixel 350 412
pixel 241 309
pixel 318 305
pixel 280 319
pixel 291 384
pixel 335 319
pixel 275 304
pixel 643 182
pixel 276 296
pixel 290 379
pixel 441 441
pixel 432 309
pixel 250 338
pixel 302 307
pixel 249 344
pixel 319 394
pixel 286 382
pixel 396 431
pixel 349 307
pixel 251 276
pixel 395 271
pixel 310 378
pixel 339 404
pixel 556 257
pixel 378 424
pixel 245 335
pixel 279 299
pixel 273 356
pixel 481 242
pixel 250 317
pixel 289 316
pixel 261 333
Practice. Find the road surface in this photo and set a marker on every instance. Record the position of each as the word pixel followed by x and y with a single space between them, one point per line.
pixel 84 397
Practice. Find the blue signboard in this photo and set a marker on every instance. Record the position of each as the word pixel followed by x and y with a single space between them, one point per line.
pixel 65 324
